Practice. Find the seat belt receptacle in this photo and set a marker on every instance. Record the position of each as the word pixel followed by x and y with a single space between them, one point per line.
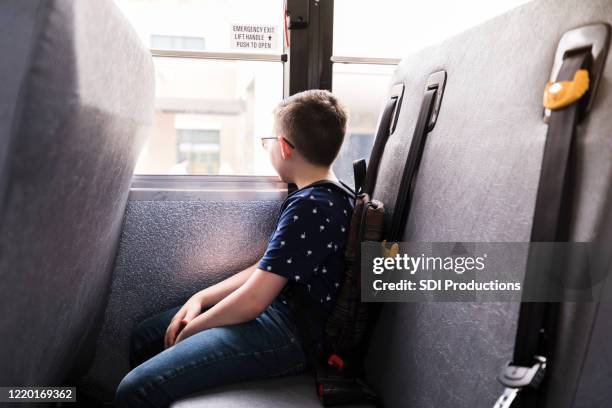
pixel 514 378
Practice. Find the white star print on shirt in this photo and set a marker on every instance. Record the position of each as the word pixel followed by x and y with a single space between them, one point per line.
pixel 311 261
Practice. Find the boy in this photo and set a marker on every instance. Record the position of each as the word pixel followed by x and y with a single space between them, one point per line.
pixel 245 327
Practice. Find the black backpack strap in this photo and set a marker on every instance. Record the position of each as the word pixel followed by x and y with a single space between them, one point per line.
pixel 359 173
pixel 536 322
pixel 340 185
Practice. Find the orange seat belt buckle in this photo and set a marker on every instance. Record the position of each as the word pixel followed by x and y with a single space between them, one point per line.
pixel 558 95
pixel 335 361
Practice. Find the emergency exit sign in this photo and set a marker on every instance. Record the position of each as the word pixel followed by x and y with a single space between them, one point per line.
pixel 254 37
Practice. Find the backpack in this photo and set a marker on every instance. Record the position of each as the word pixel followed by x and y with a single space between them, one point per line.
pixel 339 364
pixel 349 320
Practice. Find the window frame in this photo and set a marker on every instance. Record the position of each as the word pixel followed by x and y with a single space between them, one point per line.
pixel 164 187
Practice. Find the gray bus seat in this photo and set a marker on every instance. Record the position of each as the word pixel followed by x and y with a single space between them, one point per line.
pixel 477 182
pixel 284 392
pixel 76 99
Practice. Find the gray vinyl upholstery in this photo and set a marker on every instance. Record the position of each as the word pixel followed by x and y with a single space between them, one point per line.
pixel 76 98
pixel 477 182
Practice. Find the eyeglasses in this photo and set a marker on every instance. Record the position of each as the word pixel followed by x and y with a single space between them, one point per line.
pixel 264 143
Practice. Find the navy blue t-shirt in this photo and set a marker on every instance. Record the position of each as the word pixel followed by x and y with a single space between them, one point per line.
pixel 308 245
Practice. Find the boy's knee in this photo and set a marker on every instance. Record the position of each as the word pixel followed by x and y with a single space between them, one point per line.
pixel 127 394
pixel 142 387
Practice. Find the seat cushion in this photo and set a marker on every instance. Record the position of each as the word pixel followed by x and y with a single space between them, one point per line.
pixel 293 391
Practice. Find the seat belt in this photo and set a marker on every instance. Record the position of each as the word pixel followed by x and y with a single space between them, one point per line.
pixel 428 114
pixel 385 129
pixel 406 187
pixel 359 173
pixel 536 324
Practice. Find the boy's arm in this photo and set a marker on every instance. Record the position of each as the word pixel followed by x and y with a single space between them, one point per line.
pixel 202 299
pixel 242 305
pixel 213 294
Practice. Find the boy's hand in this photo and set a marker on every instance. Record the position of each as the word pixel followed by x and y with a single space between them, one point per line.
pixel 191 309
pixel 183 334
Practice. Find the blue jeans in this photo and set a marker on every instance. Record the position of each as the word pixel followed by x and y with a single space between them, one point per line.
pixel 265 347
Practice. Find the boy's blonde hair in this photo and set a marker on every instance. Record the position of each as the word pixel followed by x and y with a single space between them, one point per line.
pixel 315 122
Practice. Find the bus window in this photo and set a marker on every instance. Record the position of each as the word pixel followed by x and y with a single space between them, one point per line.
pixel 214 92
pixel 362 87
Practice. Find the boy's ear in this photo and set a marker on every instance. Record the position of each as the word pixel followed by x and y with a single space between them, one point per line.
pixel 286 150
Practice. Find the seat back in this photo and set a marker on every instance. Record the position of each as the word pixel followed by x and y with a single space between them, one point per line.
pixel 75 102
pixel 477 182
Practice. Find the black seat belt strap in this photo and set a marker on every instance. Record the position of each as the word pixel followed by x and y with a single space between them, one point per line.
pixel 550 217
pixel 359 173
pixel 550 221
pixel 428 114
pixel 404 195
pixel 385 129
